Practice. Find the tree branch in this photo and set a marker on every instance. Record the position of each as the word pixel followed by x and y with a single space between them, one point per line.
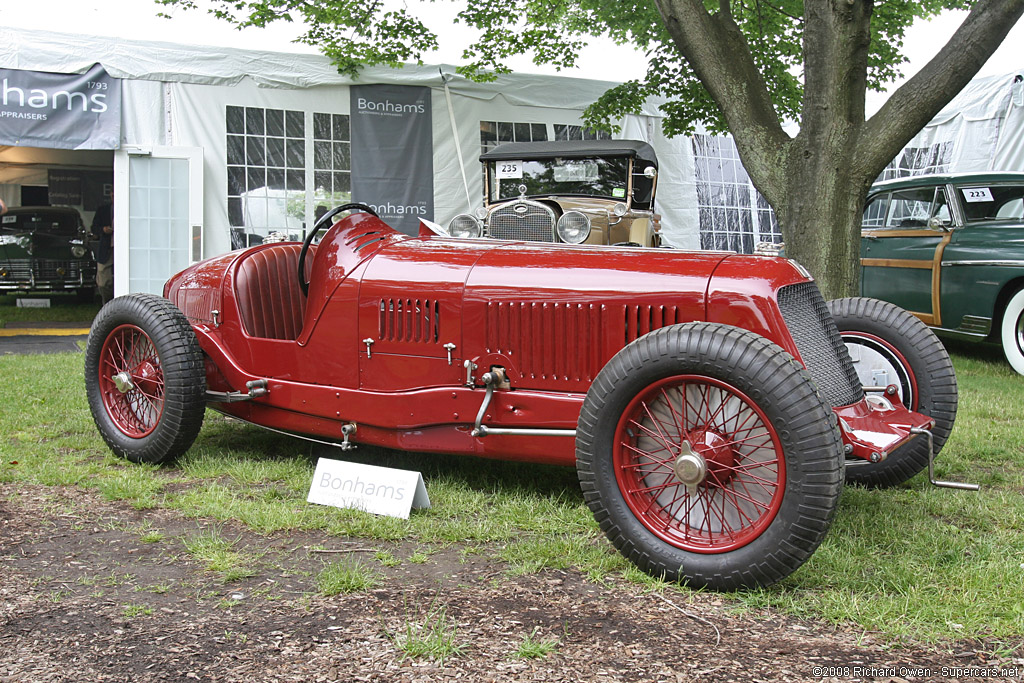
pixel 917 101
pixel 716 50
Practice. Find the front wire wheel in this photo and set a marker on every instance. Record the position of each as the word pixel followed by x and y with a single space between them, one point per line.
pixel 696 449
pixel 131 381
pixel 889 346
pixel 707 455
pixel 145 378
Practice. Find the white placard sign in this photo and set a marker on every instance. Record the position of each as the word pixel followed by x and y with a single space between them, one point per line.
pixel 508 170
pixel 380 490
pixel 977 194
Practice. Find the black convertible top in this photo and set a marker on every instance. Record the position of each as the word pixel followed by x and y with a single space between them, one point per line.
pixel 571 148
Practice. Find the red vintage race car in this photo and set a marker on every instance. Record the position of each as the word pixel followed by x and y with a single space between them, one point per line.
pixel 707 400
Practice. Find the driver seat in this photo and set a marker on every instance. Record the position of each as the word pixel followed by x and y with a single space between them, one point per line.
pixel 270 302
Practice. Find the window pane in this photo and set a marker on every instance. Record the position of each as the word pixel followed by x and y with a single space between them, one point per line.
pixel 236 150
pixel 522 132
pixel 255 155
pixel 488 132
pixel 295 124
pixel 235 120
pixel 236 180
pixel 275 152
pixel 295 156
pixel 275 122
pixel 540 132
pixel 235 211
pixel 254 121
pixel 296 180
pixel 322 153
pixel 322 181
pixel 322 126
pixel 256 179
pixel 341 156
pixel 275 178
pixel 342 182
pixel 504 131
pixel 341 131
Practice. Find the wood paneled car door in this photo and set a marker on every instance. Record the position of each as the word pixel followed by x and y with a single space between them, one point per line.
pixel 903 235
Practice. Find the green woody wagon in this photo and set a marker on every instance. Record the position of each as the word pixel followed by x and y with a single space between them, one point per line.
pixel 950 249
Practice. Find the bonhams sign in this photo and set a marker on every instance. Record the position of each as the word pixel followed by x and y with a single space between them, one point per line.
pixel 393 153
pixel 62 111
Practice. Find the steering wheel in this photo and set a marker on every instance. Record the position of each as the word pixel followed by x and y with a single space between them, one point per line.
pixel 324 220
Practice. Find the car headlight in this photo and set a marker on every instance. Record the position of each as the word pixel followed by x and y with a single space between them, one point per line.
pixel 465 225
pixel 619 210
pixel 573 227
pixel 78 251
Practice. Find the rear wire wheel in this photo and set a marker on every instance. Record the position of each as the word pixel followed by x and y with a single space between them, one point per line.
pixel 890 346
pixel 145 378
pixel 707 455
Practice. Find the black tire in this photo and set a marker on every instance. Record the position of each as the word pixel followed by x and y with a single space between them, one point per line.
pixel 770 447
pixel 145 378
pixel 913 359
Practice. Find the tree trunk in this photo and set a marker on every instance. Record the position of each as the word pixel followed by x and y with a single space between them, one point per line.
pixel 820 220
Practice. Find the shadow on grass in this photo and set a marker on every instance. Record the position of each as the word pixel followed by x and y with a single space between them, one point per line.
pixel 248 442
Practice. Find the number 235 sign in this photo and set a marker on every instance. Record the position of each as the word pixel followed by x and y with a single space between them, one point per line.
pixel 507 170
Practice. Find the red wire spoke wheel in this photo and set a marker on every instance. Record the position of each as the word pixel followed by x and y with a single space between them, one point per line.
pixel 890 346
pixel 145 378
pixel 699 464
pixel 131 381
pixel 707 455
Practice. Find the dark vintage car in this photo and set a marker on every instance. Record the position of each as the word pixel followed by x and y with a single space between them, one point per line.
pixel 707 400
pixel 950 249
pixel 573 191
pixel 45 248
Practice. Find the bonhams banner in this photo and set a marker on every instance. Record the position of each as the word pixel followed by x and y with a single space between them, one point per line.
pixel 393 153
pixel 61 111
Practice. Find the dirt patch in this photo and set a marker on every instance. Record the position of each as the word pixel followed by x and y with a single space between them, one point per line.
pixel 98 591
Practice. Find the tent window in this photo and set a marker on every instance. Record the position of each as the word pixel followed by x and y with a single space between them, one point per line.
pixel 271 156
pixel 571 132
pixel 266 154
pixel 920 161
pixel 493 133
pixel 332 159
pixel 733 214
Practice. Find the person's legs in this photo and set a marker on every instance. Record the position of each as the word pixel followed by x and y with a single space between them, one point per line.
pixel 105 280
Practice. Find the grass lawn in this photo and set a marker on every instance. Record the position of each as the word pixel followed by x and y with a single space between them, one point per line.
pixel 63 308
pixel 916 561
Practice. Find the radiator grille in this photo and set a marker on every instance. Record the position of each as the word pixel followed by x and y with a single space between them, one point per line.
pixel 520 220
pixel 42 269
pixel 818 341
pixel 409 320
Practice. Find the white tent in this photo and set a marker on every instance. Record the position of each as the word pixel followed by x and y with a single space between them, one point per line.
pixel 981 129
pixel 177 191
